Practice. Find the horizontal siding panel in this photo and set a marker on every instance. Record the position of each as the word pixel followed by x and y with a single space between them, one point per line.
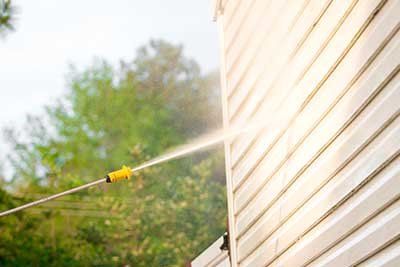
pixel 212 256
pixel 357 210
pixel 259 50
pixel 370 237
pixel 327 166
pixel 257 85
pixel 309 28
pixel 311 49
pixel 387 257
pixel 313 79
pixel 323 101
pixel 224 263
pixel 385 147
pixel 349 142
pixel 234 65
pixel 229 9
pixel 272 190
pixel 271 9
pixel 273 86
pixel 280 58
pixel 317 182
pixel 258 12
pixel 241 12
pixel 220 261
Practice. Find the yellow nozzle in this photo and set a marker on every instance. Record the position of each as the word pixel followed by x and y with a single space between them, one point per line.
pixel 123 173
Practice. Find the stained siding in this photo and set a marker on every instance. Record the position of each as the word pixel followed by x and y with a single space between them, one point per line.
pixel 321 182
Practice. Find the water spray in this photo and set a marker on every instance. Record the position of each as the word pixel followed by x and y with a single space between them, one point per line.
pixel 125 172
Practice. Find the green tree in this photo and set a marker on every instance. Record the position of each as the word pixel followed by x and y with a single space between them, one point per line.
pixel 7 17
pixel 166 214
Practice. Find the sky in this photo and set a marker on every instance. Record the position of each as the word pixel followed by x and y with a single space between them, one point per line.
pixel 52 34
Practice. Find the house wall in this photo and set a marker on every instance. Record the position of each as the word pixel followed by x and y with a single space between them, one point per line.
pixel 213 256
pixel 319 183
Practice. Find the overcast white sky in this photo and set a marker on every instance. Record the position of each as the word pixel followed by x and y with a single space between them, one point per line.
pixel 51 34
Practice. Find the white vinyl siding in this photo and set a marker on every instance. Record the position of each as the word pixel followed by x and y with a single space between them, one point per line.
pixel 213 256
pixel 319 185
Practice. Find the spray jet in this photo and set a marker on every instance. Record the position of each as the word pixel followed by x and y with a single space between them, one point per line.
pixel 125 172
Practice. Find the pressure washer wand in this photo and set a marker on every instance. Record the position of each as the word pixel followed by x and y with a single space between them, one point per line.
pixel 126 172
pixel 123 173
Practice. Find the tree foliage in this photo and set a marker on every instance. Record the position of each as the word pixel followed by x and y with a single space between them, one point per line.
pixel 165 215
pixel 7 17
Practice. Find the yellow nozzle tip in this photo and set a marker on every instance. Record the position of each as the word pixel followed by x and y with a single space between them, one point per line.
pixel 115 176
